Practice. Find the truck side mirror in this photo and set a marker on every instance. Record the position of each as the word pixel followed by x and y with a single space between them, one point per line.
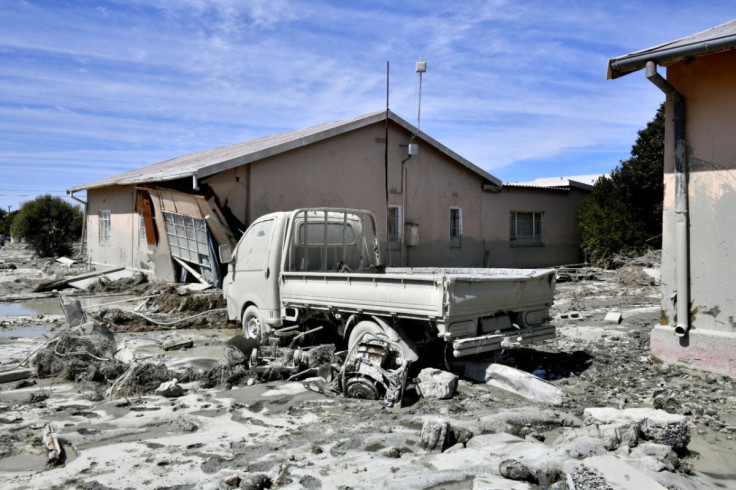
pixel 226 255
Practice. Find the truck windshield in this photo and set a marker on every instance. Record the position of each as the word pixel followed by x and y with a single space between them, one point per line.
pixel 331 241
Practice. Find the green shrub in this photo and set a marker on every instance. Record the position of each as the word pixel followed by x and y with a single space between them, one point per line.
pixel 48 224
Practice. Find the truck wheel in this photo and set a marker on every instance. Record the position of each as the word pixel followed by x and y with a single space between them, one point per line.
pixel 365 327
pixel 253 326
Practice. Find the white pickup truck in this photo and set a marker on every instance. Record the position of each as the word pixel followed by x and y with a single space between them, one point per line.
pixel 321 267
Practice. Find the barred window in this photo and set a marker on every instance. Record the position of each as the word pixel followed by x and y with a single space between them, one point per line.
pixel 526 229
pixel 394 227
pixel 456 227
pixel 105 227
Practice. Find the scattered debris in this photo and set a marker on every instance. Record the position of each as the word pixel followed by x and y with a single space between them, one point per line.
pixel 613 317
pixel 14 375
pixel 184 344
pixel 53 448
pixel 524 384
pixel 434 383
pixel 375 368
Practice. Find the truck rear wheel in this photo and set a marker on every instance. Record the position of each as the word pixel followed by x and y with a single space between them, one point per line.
pixel 363 328
pixel 253 326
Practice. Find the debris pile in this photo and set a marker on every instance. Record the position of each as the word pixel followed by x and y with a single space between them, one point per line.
pixel 85 353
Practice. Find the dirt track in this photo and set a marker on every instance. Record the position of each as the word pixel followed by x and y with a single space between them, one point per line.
pixel 283 434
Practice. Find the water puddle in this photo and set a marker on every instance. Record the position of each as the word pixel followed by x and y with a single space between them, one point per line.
pixel 30 332
pixel 52 306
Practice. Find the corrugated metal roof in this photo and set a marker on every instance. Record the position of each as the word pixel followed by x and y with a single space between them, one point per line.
pixel 210 162
pixel 553 183
pixel 713 40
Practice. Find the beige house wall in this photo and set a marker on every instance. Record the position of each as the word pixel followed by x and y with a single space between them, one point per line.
pixel 560 238
pixel 708 84
pixel 347 170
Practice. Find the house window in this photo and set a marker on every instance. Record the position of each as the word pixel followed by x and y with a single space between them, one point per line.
pixel 526 229
pixel 105 227
pixel 394 227
pixel 456 227
pixel 187 238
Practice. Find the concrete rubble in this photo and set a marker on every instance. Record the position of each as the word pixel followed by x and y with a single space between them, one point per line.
pixel 587 410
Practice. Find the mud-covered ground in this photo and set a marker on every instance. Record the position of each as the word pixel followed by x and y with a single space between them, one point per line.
pixel 227 429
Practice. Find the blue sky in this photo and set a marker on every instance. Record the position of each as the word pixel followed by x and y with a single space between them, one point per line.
pixel 91 89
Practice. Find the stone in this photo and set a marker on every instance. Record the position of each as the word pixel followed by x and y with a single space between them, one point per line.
pixel 516 470
pixel 436 435
pixel 654 425
pixel 437 384
pixel 170 389
pixel 621 434
pixel 524 384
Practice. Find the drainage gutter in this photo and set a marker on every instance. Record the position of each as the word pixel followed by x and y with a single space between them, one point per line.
pixel 682 251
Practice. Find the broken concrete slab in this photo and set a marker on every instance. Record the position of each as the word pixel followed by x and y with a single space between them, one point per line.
pixel 616 475
pixel 437 384
pixel 655 425
pixel 613 317
pixel 14 375
pixel 524 384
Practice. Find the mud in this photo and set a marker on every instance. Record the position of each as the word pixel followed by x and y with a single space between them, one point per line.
pixel 229 427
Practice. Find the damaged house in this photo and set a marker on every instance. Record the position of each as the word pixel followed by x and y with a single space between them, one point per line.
pixel 439 209
pixel 698 325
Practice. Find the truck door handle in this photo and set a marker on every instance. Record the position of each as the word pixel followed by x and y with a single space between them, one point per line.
pixel 268 272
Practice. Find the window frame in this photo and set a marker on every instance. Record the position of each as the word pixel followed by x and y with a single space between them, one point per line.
pixel 104 234
pixel 535 239
pixel 456 227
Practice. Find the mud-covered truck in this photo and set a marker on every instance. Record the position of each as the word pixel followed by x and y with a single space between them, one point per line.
pixel 314 268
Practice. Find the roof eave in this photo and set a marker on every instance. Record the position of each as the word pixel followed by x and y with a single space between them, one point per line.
pixel 663 55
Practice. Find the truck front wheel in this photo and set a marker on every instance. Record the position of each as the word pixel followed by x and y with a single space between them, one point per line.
pixel 253 326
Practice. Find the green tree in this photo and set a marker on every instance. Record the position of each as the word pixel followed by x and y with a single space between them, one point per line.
pixel 6 222
pixel 623 214
pixel 48 224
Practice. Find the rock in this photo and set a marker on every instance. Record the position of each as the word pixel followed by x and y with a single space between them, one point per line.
pixel 524 384
pixel 434 383
pixel 233 481
pixel 257 481
pixel 621 434
pixel 663 457
pixel 584 478
pixel 516 470
pixel 655 425
pixel 393 452
pixel 609 472
pixel 170 389
pixel 436 435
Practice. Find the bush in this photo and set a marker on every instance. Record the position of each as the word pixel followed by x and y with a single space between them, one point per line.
pixel 48 224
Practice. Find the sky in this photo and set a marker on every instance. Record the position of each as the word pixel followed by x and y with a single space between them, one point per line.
pixel 90 89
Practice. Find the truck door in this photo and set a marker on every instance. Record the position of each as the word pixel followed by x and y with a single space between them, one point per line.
pixel 251 276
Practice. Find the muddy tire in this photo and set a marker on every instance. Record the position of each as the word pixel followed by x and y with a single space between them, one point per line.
pixel 365 327
pixel 253 326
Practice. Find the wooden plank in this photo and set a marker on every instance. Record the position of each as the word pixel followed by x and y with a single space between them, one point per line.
pixel 196 274
pixel 55 284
